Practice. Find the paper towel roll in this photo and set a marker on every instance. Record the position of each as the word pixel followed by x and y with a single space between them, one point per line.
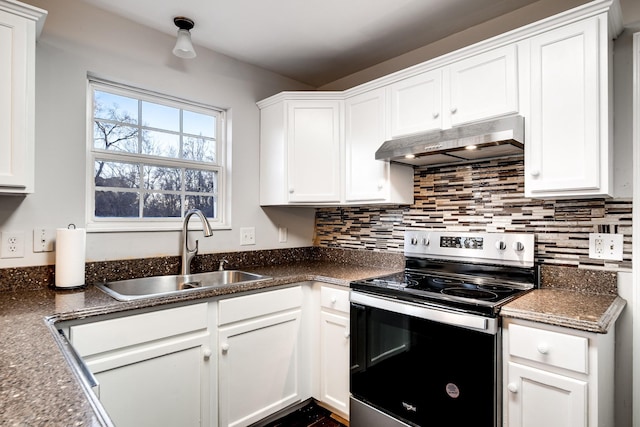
pixel 70 257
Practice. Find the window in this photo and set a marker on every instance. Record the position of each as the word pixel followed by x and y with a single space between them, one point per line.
pixel 151 159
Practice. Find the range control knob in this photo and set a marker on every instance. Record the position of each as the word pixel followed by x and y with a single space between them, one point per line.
pixel 518 246
pixel 425 241
pixel 414 241
pixel 501 245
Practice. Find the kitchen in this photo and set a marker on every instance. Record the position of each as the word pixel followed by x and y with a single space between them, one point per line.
pixel 74 43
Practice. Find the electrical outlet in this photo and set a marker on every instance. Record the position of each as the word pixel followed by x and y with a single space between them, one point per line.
pixel 12 245
pixel 247 235
pixel 606 246
pixel 43 239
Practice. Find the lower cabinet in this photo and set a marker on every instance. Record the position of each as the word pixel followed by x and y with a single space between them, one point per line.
pixel 152 368
pixel 259 368
pixel 334 349
pixel 557 377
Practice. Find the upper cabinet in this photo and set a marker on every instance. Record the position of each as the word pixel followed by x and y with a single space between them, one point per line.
pixel 473 89
pixel 556 73
pixel 317 149
pixel 568 140
pixel 19 26
pixel 483 86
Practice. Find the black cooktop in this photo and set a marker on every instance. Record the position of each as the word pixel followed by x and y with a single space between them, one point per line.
pixel 466 287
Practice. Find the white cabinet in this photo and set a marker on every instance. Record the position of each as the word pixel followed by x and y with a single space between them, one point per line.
pixel 415 104
pixel 334 349
pixel 557 377
pixel 152 368
pixel 19 24
pixel 260 364
pixel 482 86
pixel 309 156
pixel 473 89
pixel 368 179
pixel 568 132
pixel 300 152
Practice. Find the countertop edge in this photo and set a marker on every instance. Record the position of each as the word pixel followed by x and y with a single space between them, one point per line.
pixel 601 326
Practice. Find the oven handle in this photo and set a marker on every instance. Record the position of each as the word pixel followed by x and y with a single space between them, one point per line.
pixel 474 322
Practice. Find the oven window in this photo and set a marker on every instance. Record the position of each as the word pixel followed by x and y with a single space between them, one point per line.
pixel 423 372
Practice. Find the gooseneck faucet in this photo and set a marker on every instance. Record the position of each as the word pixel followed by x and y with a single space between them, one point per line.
pixel 188 254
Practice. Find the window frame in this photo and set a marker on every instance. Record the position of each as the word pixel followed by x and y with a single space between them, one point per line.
pixel 221 166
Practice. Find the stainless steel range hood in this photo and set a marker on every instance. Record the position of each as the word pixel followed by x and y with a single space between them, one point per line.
pixel 502 137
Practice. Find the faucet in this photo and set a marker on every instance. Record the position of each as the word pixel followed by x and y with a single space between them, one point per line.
pixel 188 254
pixel 223 261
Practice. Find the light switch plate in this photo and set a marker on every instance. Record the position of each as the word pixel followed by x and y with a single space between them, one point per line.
pixel 606 246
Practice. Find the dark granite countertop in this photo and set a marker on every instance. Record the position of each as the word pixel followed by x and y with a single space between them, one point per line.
pixel 38 386
pixel 568 308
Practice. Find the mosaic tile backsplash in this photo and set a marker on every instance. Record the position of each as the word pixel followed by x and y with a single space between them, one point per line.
pixel 485 196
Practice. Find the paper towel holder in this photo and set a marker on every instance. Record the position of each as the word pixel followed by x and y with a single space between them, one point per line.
pixel 74 287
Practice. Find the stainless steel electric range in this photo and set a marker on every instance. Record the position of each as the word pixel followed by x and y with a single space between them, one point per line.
pixel 426 342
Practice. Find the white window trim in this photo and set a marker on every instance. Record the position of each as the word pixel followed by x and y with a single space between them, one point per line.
pixel 223 141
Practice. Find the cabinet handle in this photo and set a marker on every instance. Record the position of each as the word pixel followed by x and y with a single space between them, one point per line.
pixel 543 348
pixel 454 110
pixel 206 353
pixel 512 387
pixel 436 115
pixel 224 347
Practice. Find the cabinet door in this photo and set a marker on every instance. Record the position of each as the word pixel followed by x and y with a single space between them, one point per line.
pixel 17 71
pixel 367 178
pixel 157 385
pixel 564 149
pixel 258 368
pixel 334 361
pixel 538 398
pixel 483 86
pixel 313 151
pixel 416 104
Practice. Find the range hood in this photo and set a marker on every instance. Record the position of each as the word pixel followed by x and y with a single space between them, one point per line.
pixel 502 137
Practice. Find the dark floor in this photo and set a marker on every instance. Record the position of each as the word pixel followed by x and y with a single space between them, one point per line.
pixel 310 415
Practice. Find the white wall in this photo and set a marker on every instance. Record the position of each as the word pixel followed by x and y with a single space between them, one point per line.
pixel 77 39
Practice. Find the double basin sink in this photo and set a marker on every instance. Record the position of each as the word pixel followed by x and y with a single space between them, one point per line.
pixel 157 286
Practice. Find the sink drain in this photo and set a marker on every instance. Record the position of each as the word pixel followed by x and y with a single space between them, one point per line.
pixel 191 285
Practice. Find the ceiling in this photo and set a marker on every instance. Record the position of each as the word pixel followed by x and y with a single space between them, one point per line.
pixel 314 42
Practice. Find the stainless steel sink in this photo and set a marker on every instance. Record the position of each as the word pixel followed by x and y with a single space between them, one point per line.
pixel 146 287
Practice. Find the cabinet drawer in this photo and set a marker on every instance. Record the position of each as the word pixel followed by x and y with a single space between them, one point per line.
pixel 255 305
pixel 101 336
pixel 337 299
pixel 552 348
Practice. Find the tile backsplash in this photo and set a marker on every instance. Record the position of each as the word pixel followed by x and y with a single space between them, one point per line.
pixel 485 196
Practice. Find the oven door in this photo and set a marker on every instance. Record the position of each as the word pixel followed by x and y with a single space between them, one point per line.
pixel 422 365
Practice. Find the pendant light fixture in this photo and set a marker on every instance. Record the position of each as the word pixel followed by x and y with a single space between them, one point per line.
pixel 184 47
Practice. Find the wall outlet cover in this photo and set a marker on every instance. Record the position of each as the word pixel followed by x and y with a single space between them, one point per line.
pixel 606 246
pixel 247 235
pixel 12 244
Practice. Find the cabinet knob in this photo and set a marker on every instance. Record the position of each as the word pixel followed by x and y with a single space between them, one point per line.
pixel 206 353
pixel 436 115
pixel 291 190
pixel 333 299
pixel 347 334
pixel 224 347
pixel 543 348
pixel 535 173
pixel 454 110
pixel 512 387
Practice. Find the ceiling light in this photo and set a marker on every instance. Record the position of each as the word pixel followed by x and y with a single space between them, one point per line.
pixel 471 147
pixel 410 156
pixel 184 48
